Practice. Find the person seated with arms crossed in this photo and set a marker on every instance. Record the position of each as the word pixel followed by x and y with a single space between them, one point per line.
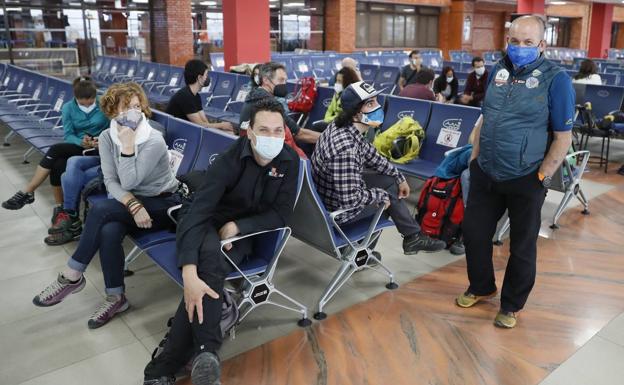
pixel 350 174
pixel 137 175
pixel 445 86
pixel 409 72
pixel 476 84
pixel 422 86
pixel 186 103
pixel 272 86
pixel 588 73
pixel 249 188
pixel 82 122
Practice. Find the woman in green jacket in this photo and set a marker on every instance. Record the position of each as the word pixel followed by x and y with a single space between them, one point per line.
pixel 82 123
pixel 344 78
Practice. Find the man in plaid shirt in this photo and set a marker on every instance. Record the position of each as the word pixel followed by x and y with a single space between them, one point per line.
pixel 349 173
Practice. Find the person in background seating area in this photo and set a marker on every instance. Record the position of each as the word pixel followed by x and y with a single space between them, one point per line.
pixel 353 64
pixel 273 86
pixel 251 187
pixel 445 86
pixel 588 73
pixel 82 123
pixel 476 84
pixel 409 72
pixel 137 175
pixel 186 103
pixel 351 175
pixel 344 78
pixel 422 86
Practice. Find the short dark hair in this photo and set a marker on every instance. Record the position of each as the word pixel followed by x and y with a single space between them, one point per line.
pixel 266 104
pixel 424 76
pixel 349 76
pixel 414 52
pixel 84 88
pixel 267 70
pixel 193 69
pixel 476 59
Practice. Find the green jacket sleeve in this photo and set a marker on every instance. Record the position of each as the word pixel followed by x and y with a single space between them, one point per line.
pixel 70 135
pixel 333 110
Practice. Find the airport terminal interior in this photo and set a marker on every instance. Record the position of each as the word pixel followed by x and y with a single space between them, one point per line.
pixel 113 113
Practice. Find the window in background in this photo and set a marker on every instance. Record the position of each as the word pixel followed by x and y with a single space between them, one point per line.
pixel 388 26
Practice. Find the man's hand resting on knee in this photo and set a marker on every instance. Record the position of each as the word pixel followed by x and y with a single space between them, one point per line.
pixel 194 291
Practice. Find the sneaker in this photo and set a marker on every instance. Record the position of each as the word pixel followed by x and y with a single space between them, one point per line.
pixel 18 200
pixel 206 369
pixel 505 319
pixel 415 243
pixel 467 299
pixel 457 248
pixel 55 212
pixel 112 306
pixel 161 381
pixel 57 239
pixel 64 221
pixel 58 290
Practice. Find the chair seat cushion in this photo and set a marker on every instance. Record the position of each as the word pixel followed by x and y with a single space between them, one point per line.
pixel 418 167
pixel 356 231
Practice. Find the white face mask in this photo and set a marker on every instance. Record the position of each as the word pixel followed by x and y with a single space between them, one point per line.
pixel 86 110
pixel 480 71
pixel 131 118
pixel 338 88
pixel 268 147
pixel 257 79
pixel 449 79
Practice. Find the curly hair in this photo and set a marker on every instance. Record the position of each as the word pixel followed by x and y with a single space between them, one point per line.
pixel 121 93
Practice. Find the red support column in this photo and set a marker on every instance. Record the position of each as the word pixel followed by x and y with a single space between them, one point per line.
pixel 246 32
pixel 600 29
pixel 535 7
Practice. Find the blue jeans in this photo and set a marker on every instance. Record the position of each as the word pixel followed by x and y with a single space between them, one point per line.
pixel 108 222
pixel 79 171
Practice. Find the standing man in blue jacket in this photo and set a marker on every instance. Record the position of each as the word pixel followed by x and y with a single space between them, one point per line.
pixel 524 136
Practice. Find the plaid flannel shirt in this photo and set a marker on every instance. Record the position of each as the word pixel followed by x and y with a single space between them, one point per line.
pixel 340 157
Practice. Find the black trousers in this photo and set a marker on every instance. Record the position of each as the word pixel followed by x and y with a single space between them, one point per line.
pixel 185 338
pixel 487 201
pixel 55 160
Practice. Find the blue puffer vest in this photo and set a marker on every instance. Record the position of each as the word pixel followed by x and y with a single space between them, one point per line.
pixel 514 134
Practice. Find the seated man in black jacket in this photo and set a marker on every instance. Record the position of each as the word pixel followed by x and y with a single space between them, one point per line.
pixel 249 188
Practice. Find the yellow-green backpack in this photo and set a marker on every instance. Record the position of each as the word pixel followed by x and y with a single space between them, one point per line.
pixel 400 142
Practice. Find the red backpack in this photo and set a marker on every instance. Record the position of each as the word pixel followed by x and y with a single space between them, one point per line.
pixel 441 209
pixel 305 95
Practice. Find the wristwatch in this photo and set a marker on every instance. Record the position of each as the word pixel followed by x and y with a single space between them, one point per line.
pixel 545 179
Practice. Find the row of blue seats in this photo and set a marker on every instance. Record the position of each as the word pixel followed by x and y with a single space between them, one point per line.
pixel 30 105
pixel 159 81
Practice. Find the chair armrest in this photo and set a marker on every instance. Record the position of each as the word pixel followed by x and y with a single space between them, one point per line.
pixel 49 118
pixel 371 228
pixel 21 100
pixel 36 111
pixel 88 150
pixel 34 105
pixel 171 210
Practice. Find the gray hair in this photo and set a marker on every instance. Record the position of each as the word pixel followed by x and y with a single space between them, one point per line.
pixel 538 19
pixel 267 70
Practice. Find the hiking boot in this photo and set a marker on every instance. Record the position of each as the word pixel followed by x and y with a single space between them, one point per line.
pixel 161 381
pixel 58 290
pixel 467 299
pixel 206 369
pixel 18 200
pixel 111 306
pixel 457 248
pixel 65 221
pixel 64 237
pixel 505 319
pixel 421 242
pixel 55 212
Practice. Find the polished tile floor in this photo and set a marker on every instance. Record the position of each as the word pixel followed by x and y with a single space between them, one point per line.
pixel 54 346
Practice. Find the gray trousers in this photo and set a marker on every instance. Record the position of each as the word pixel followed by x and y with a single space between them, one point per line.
pixel 398 210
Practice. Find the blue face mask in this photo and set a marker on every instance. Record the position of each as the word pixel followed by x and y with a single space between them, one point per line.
pixel 374 118
pixel 521 56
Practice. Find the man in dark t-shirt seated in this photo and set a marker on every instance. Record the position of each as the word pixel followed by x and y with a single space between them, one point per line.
pixel 186 103
pixel 422 88
pixel 409 72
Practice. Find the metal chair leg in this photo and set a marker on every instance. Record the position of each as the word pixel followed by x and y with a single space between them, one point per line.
pixel 27 154
pixel 501 232
pixel 7 137
pixel 339 279
pixel 562 205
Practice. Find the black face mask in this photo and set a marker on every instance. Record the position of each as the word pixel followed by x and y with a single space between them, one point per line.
pixel 280 90
pixel 205 83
